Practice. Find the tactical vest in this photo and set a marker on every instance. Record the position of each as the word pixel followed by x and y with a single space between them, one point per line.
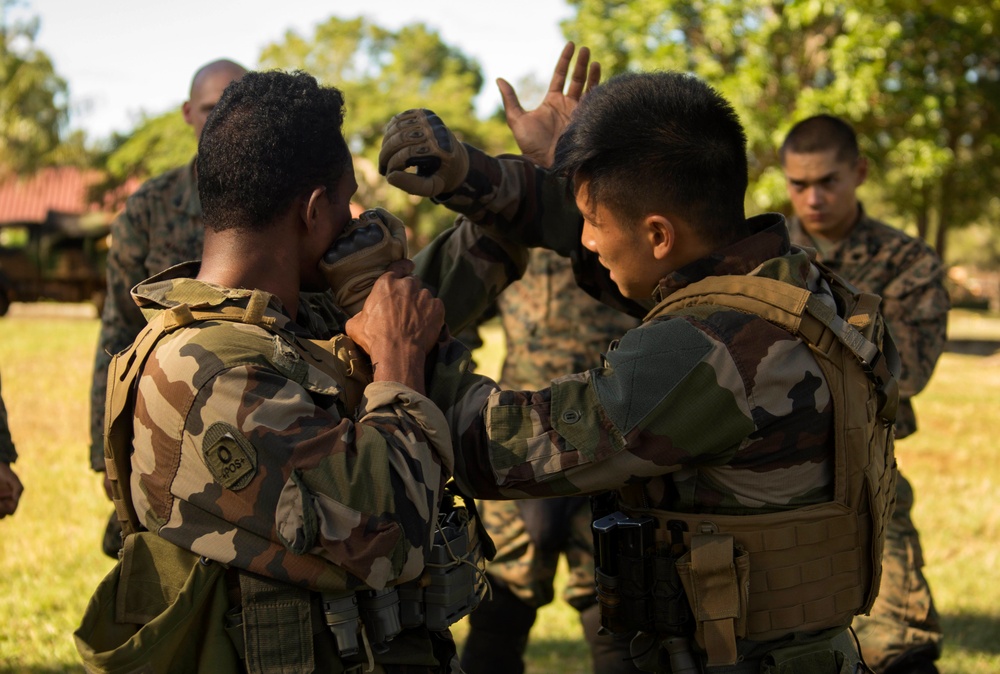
pixel 435 601
pixel 762 577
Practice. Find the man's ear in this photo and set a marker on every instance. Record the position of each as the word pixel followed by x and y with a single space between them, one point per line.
pixel 186 109
pixel 661 234
pixel 312 206
pixel 861 170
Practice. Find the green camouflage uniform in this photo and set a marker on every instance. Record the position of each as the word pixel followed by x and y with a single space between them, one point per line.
pixel 305 495
pixel 713 412
pixel 161 226
pixel 552 328
pixel 910 278
pixel 7 452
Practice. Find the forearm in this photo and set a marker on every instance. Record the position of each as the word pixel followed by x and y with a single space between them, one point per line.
pixel 467 267
pixel 403 364
pixel 520 201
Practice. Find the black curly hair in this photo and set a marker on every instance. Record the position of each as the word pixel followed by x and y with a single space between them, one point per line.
pixel 273 136
pixel 660 141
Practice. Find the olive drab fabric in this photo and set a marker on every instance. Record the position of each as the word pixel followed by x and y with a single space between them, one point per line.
pixel 159 610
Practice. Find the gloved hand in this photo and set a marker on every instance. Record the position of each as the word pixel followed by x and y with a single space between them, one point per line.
pixel 419 139
pixel 361 254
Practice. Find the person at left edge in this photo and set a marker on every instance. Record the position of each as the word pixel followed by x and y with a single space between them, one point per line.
pixel 10 485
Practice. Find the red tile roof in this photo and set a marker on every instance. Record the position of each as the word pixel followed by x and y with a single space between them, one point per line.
pixel 62 188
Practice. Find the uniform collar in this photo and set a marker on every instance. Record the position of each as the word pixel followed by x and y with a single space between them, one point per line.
pixel 767 241
pixel 179 285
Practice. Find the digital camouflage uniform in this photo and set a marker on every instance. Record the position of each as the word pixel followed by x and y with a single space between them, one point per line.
pixel 910 278
pixel 720 412
pixel 248 459
pixel 551 328
pixel 7 452
pixel 161 226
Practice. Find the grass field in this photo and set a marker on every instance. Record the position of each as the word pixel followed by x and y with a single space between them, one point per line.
pixel 50 559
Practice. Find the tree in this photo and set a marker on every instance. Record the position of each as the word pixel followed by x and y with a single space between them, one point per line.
pixel 157 144
pixel 33 98
pixel 381 73
pixel 918 79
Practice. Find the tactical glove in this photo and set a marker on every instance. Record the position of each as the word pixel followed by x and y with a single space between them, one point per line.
pixel 419 139
pixel 361 254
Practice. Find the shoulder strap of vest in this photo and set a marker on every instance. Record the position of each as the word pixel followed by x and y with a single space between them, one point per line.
pixel 338 358
pixel 803 314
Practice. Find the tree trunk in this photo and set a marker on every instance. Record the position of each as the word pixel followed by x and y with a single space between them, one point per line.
pixel 944 211
pixel 923 214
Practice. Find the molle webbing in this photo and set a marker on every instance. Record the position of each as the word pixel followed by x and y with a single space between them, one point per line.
pixel 814 567
pixel 338 358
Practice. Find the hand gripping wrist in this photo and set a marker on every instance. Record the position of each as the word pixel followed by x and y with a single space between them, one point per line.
pixel 361 254
pixel 419 139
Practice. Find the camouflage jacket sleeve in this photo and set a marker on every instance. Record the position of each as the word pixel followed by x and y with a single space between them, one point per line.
pixel 258 467
pixel 737 421
pixel 915 304
pixel 467 266
pixel 7 452
pixel 525 204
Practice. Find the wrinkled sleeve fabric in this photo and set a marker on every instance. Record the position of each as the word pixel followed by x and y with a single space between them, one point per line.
pixel 599 429
pixel 915 305
pixel 270 477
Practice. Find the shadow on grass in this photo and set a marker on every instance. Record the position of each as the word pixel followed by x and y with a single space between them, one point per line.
pixel 972 632
pixel 973 347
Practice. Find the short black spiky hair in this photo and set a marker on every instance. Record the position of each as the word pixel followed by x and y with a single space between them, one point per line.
pixel 272 137
pixel 660 142
pixel 821 133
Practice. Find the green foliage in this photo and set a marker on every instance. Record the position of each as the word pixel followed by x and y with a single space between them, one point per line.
pixel 33 98
pixel 381 73
pixel 919 80
pixel 157 144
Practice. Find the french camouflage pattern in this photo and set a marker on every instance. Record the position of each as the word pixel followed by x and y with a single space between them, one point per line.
pixel 160 227
pixel 909 276
pixel 7 452
pixel 717 411
pixel 244 453
pixel 696 407
pixel 551 328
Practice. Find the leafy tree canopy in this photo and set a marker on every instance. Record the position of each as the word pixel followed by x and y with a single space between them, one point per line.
pixel 33 98
pixel 919 79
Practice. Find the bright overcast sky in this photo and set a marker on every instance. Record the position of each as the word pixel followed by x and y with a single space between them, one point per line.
pixel 124 57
